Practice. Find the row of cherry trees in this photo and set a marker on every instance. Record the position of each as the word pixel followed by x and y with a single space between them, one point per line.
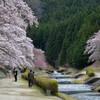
pixel 15 48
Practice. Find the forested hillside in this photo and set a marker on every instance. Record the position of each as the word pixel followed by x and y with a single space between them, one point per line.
pixel 64 30
pixel 37 6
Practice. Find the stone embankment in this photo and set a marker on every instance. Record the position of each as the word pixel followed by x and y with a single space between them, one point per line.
pixel 92 80
pixel 95 84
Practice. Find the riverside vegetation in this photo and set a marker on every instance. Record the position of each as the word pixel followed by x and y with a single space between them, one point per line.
pixel 48 84
pixel 63 31
pixel 90 72
pixel 44 83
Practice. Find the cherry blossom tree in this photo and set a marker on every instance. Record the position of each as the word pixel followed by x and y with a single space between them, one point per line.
pixel 39 58
pixel 93 47
pixel 15 48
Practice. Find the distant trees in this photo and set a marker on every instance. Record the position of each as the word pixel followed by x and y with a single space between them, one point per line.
pixel 63 54
pixel 64 30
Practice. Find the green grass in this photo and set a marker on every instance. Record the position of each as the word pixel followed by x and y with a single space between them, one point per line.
pixel 65 96
pixel 77 82
pixel 39 89
pixel 36 69
pixel 35 87
pixel 97 89
pixel 60 95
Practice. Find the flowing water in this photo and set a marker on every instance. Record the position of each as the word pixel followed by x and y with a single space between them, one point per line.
pixel 63 79
pixel 81 91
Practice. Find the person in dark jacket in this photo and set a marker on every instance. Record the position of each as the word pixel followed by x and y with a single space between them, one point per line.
pixel 15 72
pixel 30 78
pixel 25 69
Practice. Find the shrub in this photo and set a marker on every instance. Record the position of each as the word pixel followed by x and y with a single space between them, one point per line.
pixel 25 75
pixel 90 72
pixel 47 84
pixel 44 83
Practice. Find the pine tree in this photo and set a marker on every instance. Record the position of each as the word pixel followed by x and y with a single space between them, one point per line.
pixel 63 53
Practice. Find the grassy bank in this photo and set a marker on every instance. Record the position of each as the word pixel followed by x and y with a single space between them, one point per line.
pixel 44 83
pixel 35 87
pixel 80 80
pixel 65 96
pixel 49 84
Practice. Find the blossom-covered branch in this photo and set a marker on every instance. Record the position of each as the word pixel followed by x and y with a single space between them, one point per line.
pixel 15 48
pixel 39 58
pixel 93 47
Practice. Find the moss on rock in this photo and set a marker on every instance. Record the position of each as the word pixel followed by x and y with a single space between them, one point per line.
pixel 90 72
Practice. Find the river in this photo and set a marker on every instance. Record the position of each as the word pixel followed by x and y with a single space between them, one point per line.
pixel 80 91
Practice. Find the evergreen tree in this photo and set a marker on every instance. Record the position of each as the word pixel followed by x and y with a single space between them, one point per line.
pixel 63 53
pixel 67 22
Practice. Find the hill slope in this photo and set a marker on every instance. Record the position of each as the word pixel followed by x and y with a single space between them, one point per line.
pixel 64 29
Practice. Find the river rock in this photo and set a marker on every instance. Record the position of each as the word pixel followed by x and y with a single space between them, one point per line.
pixel 95 85
pixel 65 82
pixel 91 80
pixel 60 71
pixel 50 71
pixel 78 75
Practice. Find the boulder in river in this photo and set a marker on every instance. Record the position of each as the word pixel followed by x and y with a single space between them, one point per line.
pixel 60 71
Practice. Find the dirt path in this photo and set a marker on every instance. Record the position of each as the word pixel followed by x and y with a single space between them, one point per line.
pixel 10 90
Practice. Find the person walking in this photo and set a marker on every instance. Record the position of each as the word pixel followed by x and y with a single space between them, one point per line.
pixel 15 72
pixel 7 73
pixel 30 78
pixel 25 69
pixel 10 73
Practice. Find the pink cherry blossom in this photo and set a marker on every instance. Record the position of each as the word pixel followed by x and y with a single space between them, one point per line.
pixel 93 47
pixel 39 58
pixel 15 48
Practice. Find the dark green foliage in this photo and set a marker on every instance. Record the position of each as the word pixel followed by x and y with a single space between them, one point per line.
pixel 63 53
pixel 54 44
pixel 64 29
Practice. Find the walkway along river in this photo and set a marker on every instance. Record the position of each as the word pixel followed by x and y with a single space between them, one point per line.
pixel 11 90
pixel 81 91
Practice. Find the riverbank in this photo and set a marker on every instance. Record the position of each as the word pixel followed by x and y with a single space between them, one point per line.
pixel 18 91
pixel 95 67
pixel 49 84
pixel 80 91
